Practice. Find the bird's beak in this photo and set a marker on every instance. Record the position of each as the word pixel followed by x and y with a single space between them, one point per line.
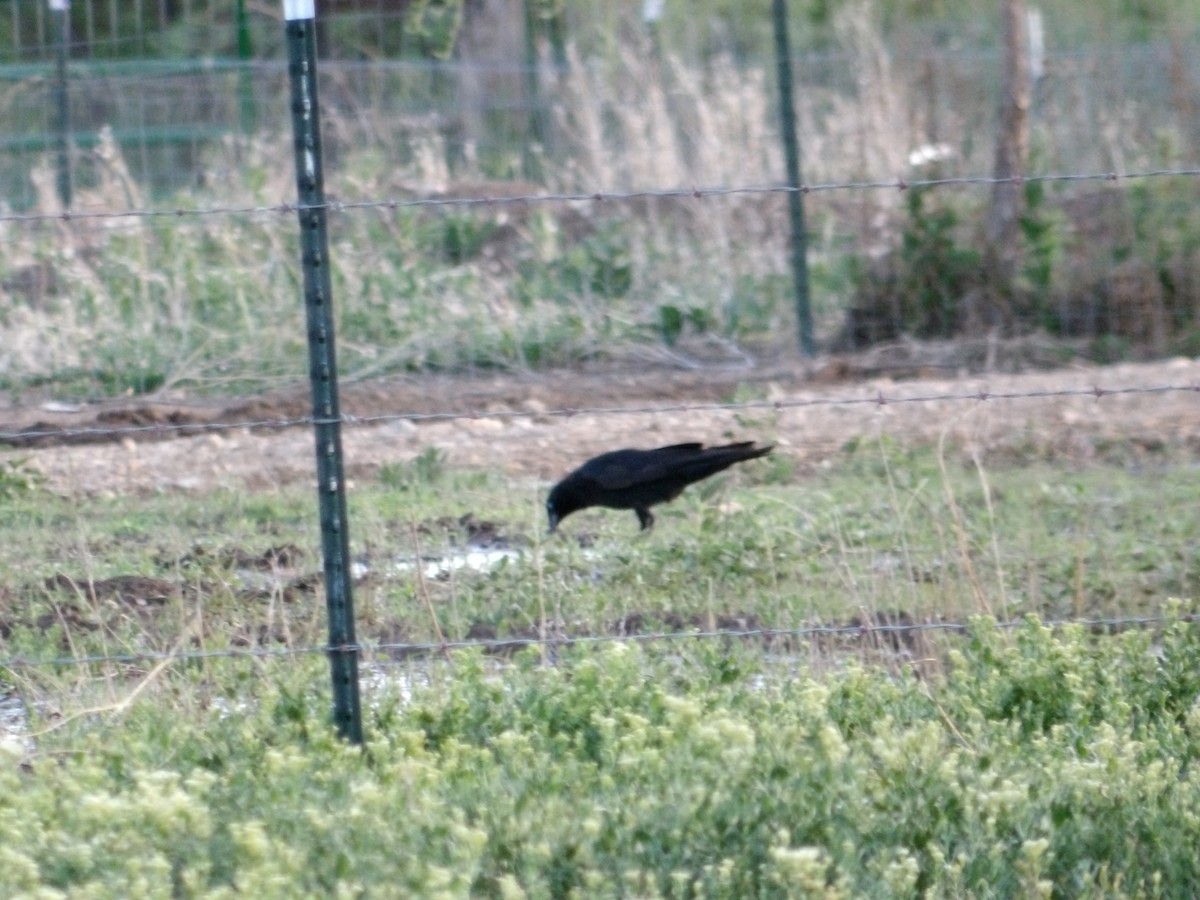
pixel 553 524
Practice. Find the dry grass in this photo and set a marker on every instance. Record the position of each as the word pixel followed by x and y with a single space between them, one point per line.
pixel 210 303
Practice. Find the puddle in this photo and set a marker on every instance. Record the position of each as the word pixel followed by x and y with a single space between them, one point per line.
pixel 472 545
pixel 14 723
pixel 441 567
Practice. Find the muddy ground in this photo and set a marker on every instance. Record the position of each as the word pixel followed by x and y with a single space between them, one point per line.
pixel 515 424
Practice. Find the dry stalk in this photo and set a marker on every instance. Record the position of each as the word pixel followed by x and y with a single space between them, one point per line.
pixel 960 531
pixel 122 705
pixel 423 590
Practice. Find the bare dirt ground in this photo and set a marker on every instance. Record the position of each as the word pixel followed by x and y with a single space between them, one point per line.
pixel 513 423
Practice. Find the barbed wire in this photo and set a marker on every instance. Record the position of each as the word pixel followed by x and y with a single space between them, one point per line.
pixel 32 435
pixel 403 649
pixel 695 193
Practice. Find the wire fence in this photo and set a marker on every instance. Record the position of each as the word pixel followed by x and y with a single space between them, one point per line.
pixel 595 196
pixel 444 160
pixel 380 652
pixel 171 107
pixel 1130 282
pixel 33 435
pixel 503 138
pixel 870 626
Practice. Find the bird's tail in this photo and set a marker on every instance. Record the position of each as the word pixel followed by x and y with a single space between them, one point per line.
pixel 740 451
pixel 713 459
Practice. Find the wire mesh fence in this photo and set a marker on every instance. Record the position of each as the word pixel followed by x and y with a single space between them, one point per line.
pixel 169 116
pixel 631 116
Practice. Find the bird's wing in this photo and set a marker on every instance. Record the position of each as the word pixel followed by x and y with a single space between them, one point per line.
pixel 614 476
pixel 684 463
pixel 629 468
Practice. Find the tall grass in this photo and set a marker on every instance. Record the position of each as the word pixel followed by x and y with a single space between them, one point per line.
pixel 210 303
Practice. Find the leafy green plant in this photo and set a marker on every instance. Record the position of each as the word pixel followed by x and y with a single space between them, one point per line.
pixel 672 320
pixel 463 237
pixel 600 264
pixel 935 268
pixel 921 288
pixel 623 770
pixel 1043 232
pixel 17 478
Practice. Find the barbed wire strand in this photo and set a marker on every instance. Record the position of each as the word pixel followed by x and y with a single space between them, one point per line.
pixel 426 648
pixel 696 192
pixel 33 434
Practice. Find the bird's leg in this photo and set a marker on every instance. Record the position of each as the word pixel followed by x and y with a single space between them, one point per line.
pixel 644 516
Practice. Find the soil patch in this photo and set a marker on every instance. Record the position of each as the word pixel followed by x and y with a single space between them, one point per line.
pixel 538 426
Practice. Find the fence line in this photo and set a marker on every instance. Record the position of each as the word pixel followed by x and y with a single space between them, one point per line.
pixel 426 648
pixel 598 196
pixel 34 434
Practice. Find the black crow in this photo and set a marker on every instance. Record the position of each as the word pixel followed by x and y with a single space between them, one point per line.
pixel 638 479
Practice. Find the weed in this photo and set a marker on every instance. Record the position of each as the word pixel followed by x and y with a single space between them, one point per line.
pixel 18 479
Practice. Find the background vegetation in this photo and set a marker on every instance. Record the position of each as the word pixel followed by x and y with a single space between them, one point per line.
pixel 579 100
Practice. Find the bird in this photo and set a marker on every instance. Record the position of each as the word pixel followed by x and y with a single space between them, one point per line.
pixel 638 479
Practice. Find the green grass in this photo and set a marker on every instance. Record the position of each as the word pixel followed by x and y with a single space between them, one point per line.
pixel 885 531
pixel 1007 761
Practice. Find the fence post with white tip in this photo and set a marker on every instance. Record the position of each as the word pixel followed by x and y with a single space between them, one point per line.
pixel 300 27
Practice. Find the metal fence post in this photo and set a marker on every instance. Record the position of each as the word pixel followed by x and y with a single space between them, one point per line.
pixel 331 485
pixel 247 107
pixel 791 150
pixel 60 11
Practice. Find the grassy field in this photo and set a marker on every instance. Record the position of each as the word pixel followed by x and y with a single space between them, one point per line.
pixel 850 675
pixel 1022 761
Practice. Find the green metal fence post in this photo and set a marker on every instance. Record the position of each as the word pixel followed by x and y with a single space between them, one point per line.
pixel 247 108
pixel 536 147
pixel 60 14
pixel 331 484
pixel 791 150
